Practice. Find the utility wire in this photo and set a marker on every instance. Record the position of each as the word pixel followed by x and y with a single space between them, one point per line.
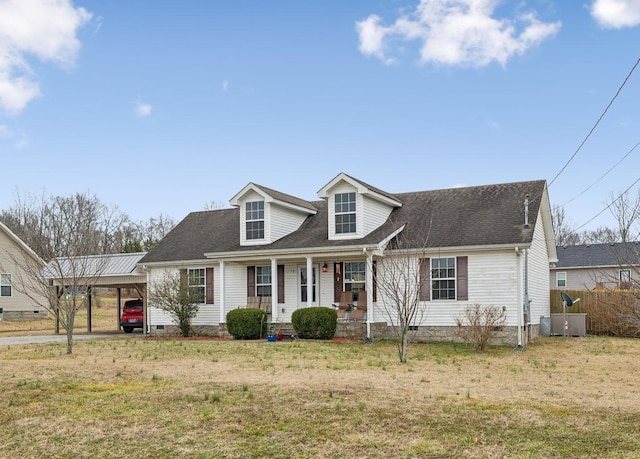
pixel 602 176
pixel 609 206
pixel 596 124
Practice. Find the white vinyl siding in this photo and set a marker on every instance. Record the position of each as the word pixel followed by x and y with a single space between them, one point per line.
pixel 284 221
pixel 492 280
pixel 208 314
pixel 375 213
pixel 279 220
pixel 538 274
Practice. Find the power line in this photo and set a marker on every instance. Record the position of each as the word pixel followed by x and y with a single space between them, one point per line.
pixel 602 176
pixel 609 206
pixel 596 124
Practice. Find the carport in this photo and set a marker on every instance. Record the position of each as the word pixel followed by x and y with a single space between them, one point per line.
pixel 117 271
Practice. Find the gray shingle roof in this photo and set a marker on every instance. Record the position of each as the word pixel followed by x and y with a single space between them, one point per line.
pixel 592 255
pixel 279 196
pixel 456 217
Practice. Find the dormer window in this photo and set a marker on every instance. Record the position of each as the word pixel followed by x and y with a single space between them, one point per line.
pixel 255 220
pixel 345 208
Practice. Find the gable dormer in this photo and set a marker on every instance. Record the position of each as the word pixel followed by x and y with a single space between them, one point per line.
pixel 355 208
pixel 267 215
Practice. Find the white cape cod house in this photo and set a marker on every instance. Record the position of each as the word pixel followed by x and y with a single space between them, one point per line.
pixel 489 245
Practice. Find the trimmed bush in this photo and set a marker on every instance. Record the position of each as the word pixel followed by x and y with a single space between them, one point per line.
pixel 247 323
pixel 315 323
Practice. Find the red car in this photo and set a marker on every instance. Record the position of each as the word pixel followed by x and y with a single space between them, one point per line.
pixel 132 315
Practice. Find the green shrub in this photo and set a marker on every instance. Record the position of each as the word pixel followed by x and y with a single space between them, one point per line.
pixel 247 323
pixel 315 323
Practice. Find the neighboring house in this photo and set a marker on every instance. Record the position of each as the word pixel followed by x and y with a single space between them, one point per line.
pixel 16 305
pixel 596 267
pixel 489 245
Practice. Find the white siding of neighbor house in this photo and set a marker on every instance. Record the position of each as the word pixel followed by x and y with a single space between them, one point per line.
pixel 284 221
pixel 538 274
pixel 17 301
pixel 375 213
pixel 587 278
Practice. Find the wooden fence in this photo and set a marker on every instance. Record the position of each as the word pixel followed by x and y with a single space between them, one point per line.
pixel 610 312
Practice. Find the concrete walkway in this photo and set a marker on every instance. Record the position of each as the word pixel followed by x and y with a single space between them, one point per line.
pixel 14 340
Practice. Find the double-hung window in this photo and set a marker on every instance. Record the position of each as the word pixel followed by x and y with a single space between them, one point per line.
pixel 354 278
pixel 561 279
pixel 196 283
pixel 345 212
pixel 254 220
pixel 625 279
pixel 443 278
pixel 5 284
pixel 263 280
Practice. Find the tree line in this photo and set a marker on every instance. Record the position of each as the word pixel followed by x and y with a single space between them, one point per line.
pixel 625 210
pixel 80 224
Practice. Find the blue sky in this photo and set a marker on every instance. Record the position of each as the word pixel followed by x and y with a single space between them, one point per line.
pixel 162 107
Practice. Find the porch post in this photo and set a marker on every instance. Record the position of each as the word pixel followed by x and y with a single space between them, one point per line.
pixel 274 290
pixel 119 303
pixel 309 281
pixel 223 318
pixel 369 289
pixel 89 294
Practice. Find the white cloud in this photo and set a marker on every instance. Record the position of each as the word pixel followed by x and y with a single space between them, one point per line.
pixel 142 110
pixel 616 14
pixel 456 32
pixel 18 140
pixel 225 85
pixel 45 29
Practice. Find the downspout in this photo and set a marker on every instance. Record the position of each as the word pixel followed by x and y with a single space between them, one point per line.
pixel 526 307
pixel 145 304
pixel 526 302
pixel 223 299
pixel 519 346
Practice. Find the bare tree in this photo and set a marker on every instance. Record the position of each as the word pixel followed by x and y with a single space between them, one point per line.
pixel 172 294
pixel 38 222
pixel 400 281
pixel 70 228
pixel 214 205
pixel 600 235
pixel 562 228
pixel 626 211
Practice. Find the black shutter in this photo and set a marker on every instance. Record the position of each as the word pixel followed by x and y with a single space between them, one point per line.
pixel 251 281
pixel 462 278
pixel 337 281
pixel 280 283
pixel 425 279
pixel 209 285
pixel 374 294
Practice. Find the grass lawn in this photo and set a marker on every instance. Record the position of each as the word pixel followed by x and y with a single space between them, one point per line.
pixel 140 397
pixel 104 318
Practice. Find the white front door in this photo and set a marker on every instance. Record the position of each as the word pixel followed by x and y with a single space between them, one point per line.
pixel 303 280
